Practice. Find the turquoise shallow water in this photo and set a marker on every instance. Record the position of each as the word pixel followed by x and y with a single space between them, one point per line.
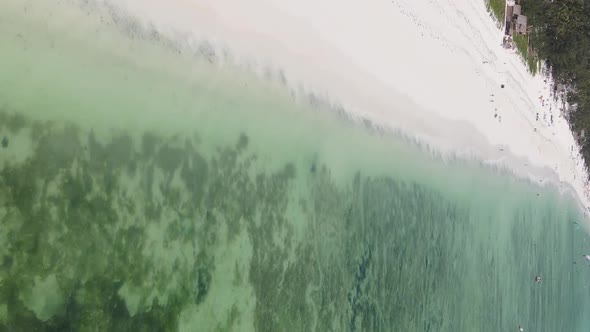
pixel 144 187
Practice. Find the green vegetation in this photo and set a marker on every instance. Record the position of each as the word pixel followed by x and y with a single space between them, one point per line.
pixel 560 37
pixel 529 56
pixel 497 8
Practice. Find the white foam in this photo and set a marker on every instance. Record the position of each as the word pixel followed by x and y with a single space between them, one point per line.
pixel 432 68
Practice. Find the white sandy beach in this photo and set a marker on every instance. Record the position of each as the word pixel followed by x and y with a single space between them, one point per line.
pixel 433 69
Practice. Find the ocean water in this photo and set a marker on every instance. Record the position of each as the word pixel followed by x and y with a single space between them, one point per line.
pixel 147 187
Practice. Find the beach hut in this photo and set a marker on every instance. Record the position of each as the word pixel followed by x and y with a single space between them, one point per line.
pixel 509 13
pixel 516 10
pixel 521 24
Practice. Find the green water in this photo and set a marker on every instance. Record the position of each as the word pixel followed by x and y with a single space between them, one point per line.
pixel 146 189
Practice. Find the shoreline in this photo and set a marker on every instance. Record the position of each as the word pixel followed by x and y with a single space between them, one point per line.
pixel 188 180
pixel 378 80
pixel 417 99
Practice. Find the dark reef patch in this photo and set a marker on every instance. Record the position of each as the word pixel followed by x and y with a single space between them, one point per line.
pixel 155 217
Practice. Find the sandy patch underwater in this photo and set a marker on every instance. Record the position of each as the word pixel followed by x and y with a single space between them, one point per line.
pixel 159 190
